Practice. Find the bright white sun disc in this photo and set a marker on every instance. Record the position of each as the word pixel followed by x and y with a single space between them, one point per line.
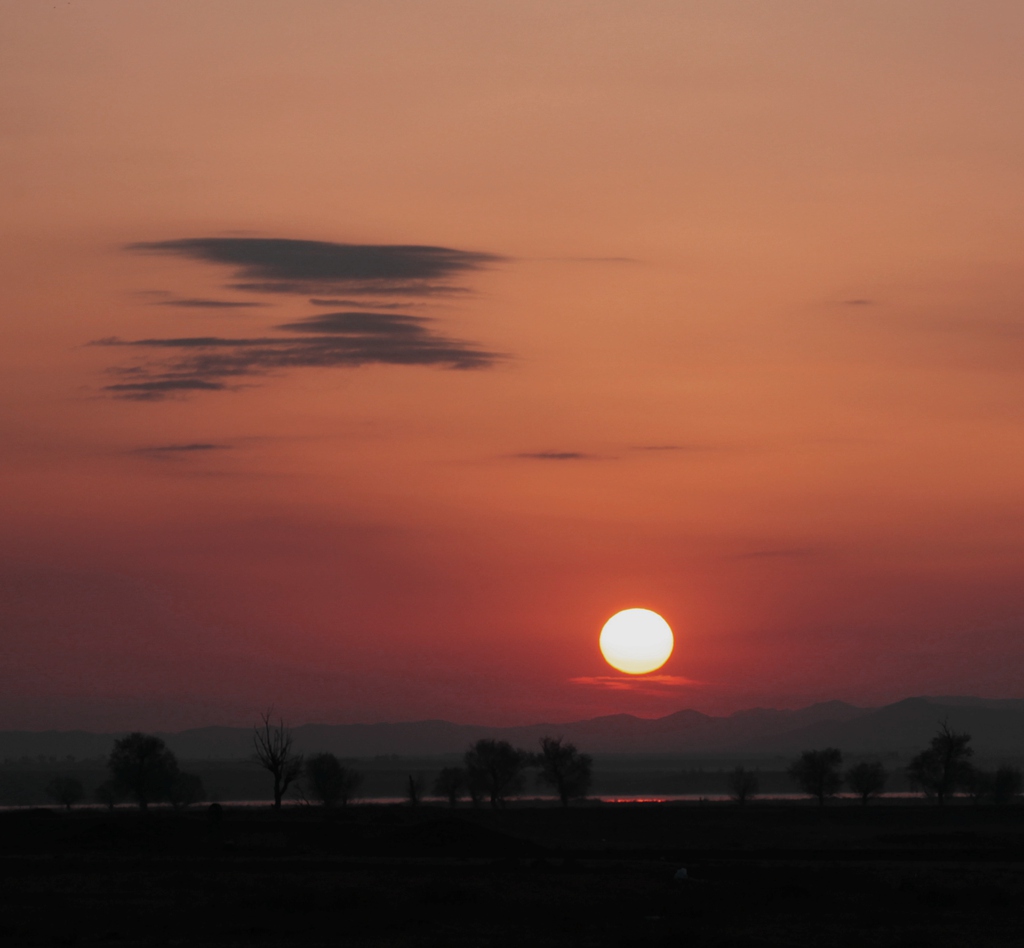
pixel 636 641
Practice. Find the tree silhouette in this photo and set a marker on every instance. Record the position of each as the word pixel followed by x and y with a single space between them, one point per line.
pixel 185 790
pixel 450 783
pixel 476 787
pixel 1006 784
pixel 867 779
pixel 817 773
pixel 496 768
pixel 944 767
pixel 328 781
pixel 142 767
pixel 414 789
pixel 743 785
pixel 564 768
pixel 67 791
pixel 107 794
pixel 273 745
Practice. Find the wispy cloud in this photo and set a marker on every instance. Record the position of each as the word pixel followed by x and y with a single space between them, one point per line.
pixel 677 447
pixel 556 456
pixel 316 267
pixel 155 389
pixel 635 682
pixel 330 340
pixel 183 365
pixel 199 303
pixel 343 303
pixel 172 450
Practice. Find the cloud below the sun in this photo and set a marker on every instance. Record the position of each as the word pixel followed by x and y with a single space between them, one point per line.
pixel 649 683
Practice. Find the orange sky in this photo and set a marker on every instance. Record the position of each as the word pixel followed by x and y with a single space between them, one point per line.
pixel 733 330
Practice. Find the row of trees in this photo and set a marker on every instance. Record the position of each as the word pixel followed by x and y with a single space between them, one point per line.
pixel 142 769
pixel 492 770
pixel 940 771
pixel 495 770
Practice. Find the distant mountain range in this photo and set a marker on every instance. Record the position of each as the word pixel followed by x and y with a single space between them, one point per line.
pixel 996 725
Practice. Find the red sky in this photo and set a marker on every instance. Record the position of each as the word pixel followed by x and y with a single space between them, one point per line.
pixel 728 325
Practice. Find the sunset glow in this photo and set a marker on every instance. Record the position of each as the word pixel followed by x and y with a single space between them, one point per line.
pixel 360 359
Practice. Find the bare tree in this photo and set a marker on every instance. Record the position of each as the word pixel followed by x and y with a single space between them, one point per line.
pixel 944 767
pixel 564 768
pixel 273 744
pixel 67 791
pixel 817 773
pixel 450 784
pixel 743 785
pixel 867 779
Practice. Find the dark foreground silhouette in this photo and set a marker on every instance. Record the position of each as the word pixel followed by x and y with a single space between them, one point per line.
pixel 595 875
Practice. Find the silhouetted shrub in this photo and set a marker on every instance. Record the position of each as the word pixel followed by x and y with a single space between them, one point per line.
pixel 1006 785
pixel 867 779
pixel 327 781
pixel 108 794
pixel 495 768
pixel 67 791
pixel 142 768
pixel 450 783
pixel 817 773
pixel 944 768
pixel 743 785
pixel 563 768
pixel 186 789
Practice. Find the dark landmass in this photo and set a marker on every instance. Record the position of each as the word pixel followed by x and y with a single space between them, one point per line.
pixel 997 727
pixel 892 876
pixel 24 783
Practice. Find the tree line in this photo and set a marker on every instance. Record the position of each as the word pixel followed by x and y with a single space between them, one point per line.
pixel 143 769
pixel 491 771
pixel 941 771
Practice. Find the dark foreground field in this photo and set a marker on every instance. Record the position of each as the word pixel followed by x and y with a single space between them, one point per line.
pixel 886 875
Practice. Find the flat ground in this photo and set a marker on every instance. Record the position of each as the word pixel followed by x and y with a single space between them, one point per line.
pixel 885 875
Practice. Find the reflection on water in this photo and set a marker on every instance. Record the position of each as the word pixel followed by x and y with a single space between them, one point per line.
pixel 523 801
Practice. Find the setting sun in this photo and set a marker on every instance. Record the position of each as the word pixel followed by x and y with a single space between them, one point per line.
pixel 636 641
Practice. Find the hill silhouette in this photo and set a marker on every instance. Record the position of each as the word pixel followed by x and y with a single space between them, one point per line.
pixel 996 724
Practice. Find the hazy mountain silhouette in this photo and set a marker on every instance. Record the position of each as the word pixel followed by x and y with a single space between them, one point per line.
pixel 997 726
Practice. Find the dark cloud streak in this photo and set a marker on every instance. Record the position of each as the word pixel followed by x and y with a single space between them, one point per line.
pixel 281 265
pixel 207 304
pixel 556 456
pixel 330 340
pixel 170 450
pixel 347 338
pixel 335 303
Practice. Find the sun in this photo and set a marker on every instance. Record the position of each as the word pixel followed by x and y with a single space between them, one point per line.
pixel 636 641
